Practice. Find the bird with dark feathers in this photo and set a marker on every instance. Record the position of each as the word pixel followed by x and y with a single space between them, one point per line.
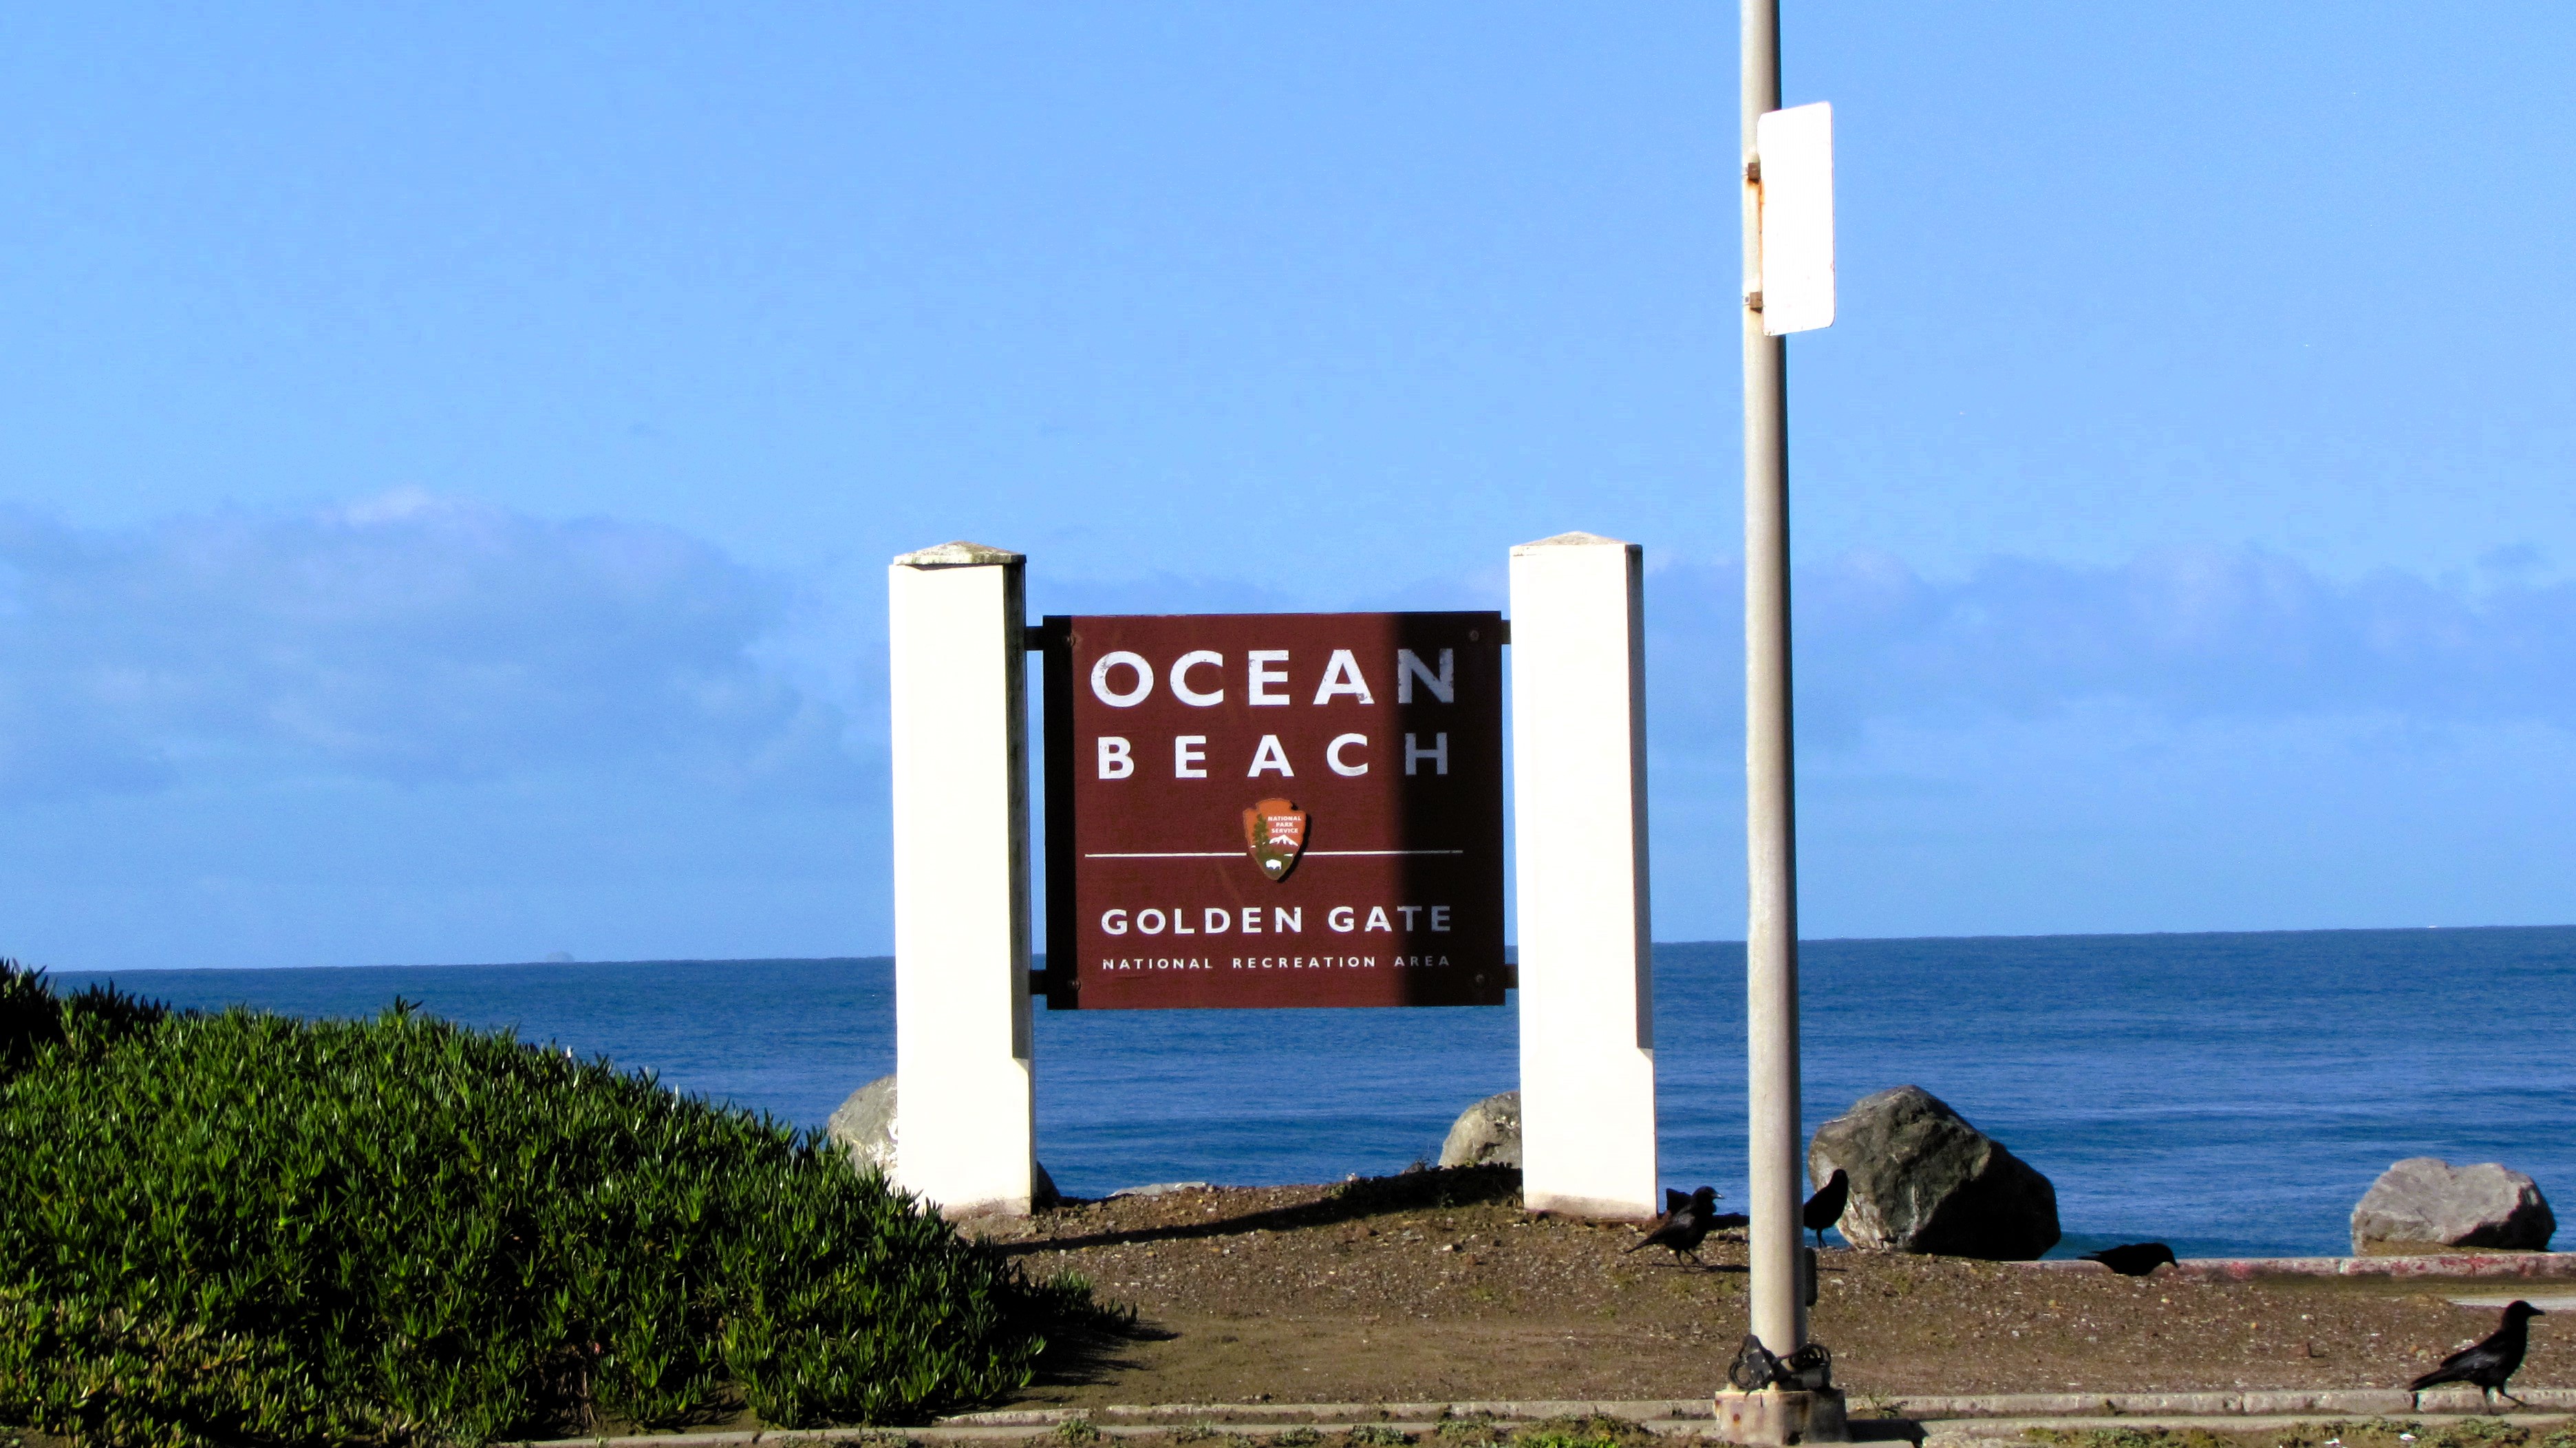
pixel 2133 1259
pixel 2490 1364
pixel 1686 1220
pixel 1826 1207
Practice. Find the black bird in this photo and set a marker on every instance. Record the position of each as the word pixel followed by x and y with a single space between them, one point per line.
pixel 1754 1368
pixel 2491 1363
pixel 2133 1259
pixel 1826 1207
pixel 1685 1221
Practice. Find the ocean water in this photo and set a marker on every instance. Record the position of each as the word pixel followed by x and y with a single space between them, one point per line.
pixel 2228 1093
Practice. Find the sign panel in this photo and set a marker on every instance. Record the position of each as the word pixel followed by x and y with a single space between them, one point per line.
pixel 1796 149
pixel 1274 810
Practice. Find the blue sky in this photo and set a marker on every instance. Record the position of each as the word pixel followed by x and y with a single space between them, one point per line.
pixel 448 458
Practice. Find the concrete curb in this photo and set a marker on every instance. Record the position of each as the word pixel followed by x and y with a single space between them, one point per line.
pixel 2257 1403
pixel 2010 1432
pixel 2372 1402
pixel 946 1431
pixel 2446 1264
pixel 1951 1422
pixel 1222 1413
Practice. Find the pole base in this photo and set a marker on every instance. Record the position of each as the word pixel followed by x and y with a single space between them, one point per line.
pixel 1777 1417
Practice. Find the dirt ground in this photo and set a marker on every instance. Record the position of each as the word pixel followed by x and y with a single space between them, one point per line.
pixel 1435 1286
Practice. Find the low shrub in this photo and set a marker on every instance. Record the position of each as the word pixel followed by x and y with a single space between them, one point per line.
pixel 1431 1188
pixel 243 1228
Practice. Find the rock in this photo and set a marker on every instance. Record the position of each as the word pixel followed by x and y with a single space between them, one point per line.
pixel 1486 1134
pixel 1160 1189
pixel 863 1126
pixel 2425 1203
pixel 1924 1180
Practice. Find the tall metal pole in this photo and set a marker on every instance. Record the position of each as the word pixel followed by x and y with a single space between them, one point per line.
pixel 1771 838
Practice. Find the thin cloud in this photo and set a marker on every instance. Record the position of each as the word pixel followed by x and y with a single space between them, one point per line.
pixel 418 640
pixel 407 639
pixel 2212 633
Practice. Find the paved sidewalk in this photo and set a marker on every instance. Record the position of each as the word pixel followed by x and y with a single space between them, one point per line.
pixel 1984 1421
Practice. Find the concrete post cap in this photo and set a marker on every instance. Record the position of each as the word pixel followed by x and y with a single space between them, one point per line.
pixel 960 554
pixel 1571 540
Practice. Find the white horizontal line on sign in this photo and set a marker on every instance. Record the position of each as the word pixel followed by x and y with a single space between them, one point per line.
pixel 1230 854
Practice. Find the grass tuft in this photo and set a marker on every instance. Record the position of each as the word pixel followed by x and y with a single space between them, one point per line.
pixel 1597 1431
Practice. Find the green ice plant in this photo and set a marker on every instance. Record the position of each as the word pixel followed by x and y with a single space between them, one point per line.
pixel 242 1228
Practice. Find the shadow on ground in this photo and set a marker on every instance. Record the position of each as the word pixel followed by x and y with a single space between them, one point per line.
pixel 1433 1189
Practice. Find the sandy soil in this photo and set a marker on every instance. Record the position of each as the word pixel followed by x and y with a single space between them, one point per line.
pixel 1436 1286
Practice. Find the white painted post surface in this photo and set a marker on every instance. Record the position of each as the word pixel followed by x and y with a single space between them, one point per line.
pixel 1579 831
pixel 965 1136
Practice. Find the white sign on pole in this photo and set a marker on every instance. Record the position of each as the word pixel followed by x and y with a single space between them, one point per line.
pixel 1795 148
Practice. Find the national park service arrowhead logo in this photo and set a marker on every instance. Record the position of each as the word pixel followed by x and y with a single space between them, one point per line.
pixel 1275 830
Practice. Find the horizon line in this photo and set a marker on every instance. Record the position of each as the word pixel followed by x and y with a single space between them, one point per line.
pixel 1510 950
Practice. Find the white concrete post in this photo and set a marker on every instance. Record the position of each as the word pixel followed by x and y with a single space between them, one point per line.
pixel 1579 831
pixel 965 1134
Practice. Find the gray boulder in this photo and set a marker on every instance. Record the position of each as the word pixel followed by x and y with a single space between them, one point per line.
pixel 2426 1203
pixel 1924 1180
pixel 1486 1134
pixel 862 1126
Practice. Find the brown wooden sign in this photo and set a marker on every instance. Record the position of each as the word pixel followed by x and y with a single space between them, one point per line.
pixel 1274 810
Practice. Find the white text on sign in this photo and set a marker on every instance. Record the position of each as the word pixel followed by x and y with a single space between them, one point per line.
pixel 1247 920
pixel 1347 755
pixel 1125 679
